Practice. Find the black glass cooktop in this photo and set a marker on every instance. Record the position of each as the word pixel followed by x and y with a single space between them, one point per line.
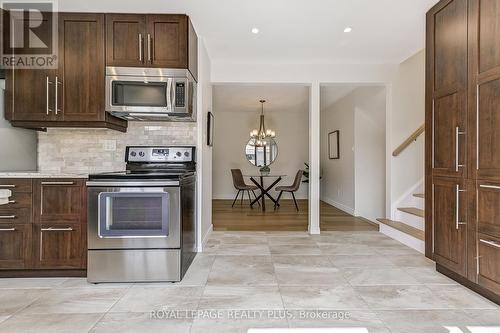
pixel 157 174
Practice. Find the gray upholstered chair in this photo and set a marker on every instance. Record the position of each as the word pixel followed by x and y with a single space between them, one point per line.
pixel 291 189
pixel 241 186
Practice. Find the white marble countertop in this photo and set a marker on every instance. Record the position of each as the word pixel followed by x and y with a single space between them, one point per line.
pixel 38 174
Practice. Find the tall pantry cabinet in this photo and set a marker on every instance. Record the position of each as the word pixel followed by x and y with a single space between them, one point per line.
pixel 463 142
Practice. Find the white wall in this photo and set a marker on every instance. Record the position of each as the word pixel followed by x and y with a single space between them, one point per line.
pixel 355 183
pixel 204 151
pixel 17 146
pixel 232 130
pixel 408 113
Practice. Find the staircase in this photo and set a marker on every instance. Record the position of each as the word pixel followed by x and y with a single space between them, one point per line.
pixel 408 226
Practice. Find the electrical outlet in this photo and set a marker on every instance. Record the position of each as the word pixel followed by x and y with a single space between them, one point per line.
pixel 109 145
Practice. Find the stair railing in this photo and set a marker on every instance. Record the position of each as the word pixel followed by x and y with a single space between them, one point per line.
pixel 412 138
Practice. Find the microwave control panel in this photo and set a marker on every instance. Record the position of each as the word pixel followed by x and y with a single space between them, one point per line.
pixel 180 94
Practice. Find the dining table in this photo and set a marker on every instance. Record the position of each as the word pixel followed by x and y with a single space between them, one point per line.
pixel 258 180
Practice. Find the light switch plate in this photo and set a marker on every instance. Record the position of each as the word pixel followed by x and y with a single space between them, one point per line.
pixel 109 145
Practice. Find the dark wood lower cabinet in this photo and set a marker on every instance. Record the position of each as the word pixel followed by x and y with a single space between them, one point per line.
pixel 488 268
pixel 43 232
pixel 58 246
pixel 15 246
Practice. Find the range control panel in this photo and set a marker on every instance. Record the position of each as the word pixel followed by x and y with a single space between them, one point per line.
pixel 159 154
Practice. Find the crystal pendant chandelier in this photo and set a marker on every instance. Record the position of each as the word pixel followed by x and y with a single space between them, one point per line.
pixel 261 136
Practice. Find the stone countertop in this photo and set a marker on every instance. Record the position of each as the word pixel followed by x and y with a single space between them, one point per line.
pixel 38 174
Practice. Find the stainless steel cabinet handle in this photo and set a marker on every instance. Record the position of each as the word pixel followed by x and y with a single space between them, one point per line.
pixel 149 47
pixel 477 127
pixel 140 47
pixel 457 147
pixel 57 229
pixel 494 244
pixel 58 183
pixel 56 108
pixel 47 95
pixel 9 217
pixel 7 186
pixel 457 212
pixel 490 187
pixel 8 229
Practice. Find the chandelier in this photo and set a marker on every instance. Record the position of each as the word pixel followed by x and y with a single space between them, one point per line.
pixel 262 136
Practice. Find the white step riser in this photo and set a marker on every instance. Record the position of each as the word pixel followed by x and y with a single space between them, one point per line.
pixel 410 219
pixel 401 237
pixel 417 202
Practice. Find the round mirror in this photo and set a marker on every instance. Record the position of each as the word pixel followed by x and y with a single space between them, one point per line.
pixel 261 155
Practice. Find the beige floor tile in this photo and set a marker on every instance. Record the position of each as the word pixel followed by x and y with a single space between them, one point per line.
pixel 75 301
pixel 243 249
pixel 77 283
pixel 295 249
pixel 13 300
pixel 234 326
pixel 428 275
pixel 399 250
pixel 378 276
pixel 248 298
pixel 140 322
pixel 243 239
pixel 460 297
pixel 306 270
pixel 290 239
pixel 197 274
pixel 139 299
pixel 321 297
pixel 345 249
pixel 485 317
pixel 50 323
pixel 242 270
pixel 360 261
pixel 20 283
pixel 412 260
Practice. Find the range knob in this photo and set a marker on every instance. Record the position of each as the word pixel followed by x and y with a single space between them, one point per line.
pixel 141 154
pixel 133 153
pixel 178 154
pixel 186 154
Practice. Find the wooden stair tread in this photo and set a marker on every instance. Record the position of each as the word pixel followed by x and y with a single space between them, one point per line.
pixel 419 195
pixel 404 228
pixel 413 210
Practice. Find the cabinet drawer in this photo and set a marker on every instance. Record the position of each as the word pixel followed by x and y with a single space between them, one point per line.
pixel 15 215
pixel 15 246
pixel 488 208
pixel 18 200
pixel 489 262
pixel 16 185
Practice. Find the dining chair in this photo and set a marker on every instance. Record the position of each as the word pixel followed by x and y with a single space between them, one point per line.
pixel 291 189
pixel 241 186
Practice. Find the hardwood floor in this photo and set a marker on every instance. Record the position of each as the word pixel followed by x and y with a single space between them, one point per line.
pixel 286 218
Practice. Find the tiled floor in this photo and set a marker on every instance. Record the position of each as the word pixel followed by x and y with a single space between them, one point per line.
pixel 263 280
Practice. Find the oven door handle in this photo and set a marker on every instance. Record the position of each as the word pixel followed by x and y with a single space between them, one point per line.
pixel 131 184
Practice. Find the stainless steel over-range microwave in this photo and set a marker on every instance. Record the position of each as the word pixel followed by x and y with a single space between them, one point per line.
pixel 153 94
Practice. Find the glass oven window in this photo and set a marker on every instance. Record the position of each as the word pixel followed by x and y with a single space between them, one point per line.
pixel 131 93
pixel 133 214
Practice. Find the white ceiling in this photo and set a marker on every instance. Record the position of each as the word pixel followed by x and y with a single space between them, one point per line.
pixel 245 98
pixel 292 31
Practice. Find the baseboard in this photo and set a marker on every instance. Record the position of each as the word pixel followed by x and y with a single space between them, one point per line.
pixel 18 273
pixel 342 207
pixel 469 284
pixel 206 237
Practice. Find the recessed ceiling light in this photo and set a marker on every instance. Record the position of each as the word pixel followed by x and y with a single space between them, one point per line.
pixel 348 29
pixel 255 30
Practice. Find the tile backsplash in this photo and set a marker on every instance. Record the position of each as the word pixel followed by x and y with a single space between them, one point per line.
pixel 100 150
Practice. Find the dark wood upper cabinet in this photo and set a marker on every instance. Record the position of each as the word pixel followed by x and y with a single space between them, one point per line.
pixel 450 216
pixel 125 35
pixel 81 67
pixel 162 41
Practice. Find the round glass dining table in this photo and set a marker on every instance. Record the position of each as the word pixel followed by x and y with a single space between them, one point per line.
pixel 258 180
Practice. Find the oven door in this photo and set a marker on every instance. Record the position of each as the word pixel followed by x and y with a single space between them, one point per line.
pixel 133 217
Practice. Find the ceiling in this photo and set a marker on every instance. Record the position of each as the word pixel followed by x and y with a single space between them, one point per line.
pixel 245 98
pixel 292 31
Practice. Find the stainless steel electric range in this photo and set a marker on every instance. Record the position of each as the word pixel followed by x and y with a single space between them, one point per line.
pixel 142 221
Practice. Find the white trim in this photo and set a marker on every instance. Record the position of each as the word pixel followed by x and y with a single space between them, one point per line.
pixel 342 207
pixel 401 237
pixel 206 237
pixel 404 197
pixel 314 158
pixel 2 84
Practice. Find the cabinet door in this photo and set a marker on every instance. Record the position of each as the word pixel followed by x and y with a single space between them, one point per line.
pixel 488 266
pixel 447 87
pixel 488 208
pixel 81 66
pixel 58 200
pixel 166 41
pixel 484 98
pixel 15 246
pixel 30 95
pixel 58 245
pixel 449 200
pixel 125 40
